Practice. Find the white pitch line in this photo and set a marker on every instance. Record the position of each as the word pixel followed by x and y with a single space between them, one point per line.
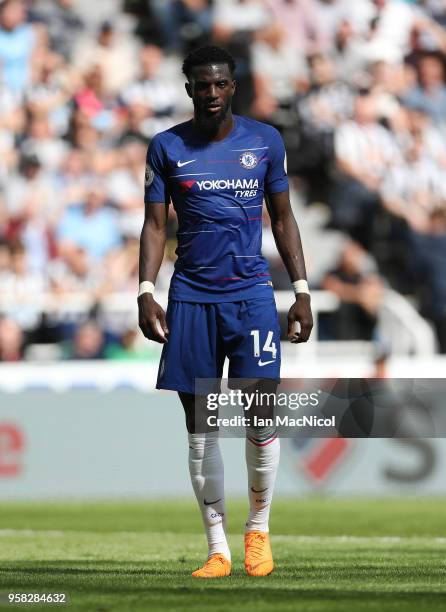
pixel 5 533
pixel 359 539
pixel 278 538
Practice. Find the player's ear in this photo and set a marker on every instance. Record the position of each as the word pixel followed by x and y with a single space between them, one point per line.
pixel 234 84
pixel 188 89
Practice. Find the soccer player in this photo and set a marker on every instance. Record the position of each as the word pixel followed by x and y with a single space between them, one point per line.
pixel 217 169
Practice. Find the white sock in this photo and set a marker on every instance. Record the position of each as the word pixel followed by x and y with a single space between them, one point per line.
pixel 207 476
pixel 262 461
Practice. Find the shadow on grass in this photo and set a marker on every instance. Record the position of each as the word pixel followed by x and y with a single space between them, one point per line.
pixel 87 568
pixel 180 567
pixel 233 591
pixel 287 581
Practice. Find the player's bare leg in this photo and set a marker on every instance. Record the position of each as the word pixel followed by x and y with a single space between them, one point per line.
pixel 207 477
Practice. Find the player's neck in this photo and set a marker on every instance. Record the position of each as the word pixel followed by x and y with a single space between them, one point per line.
pixel 219 132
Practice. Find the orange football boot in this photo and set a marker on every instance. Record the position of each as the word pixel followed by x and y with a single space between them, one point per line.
pixel 216 566
pixel 258 554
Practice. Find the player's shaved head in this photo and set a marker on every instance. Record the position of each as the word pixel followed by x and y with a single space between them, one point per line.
pixel 207 56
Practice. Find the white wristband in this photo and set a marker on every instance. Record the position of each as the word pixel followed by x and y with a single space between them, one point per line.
pixel 301 286
pixel 146 287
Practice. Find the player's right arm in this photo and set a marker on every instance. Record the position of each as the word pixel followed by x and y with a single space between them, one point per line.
pixel 151 252
pixel 153 241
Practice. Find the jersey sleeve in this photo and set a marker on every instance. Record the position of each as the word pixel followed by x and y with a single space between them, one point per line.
pixel 156 186
pixel 276 179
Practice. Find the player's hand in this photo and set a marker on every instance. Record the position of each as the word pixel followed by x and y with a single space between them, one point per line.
pixel 300 312
pixel 150 312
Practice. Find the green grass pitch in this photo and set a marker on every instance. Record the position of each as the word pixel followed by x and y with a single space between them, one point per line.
pixel 331 555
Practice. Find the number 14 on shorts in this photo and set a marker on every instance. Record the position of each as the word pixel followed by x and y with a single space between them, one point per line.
pixel 268 347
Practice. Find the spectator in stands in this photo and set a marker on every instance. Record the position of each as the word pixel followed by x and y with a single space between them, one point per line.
pixel 31 205
pixel 11 341
pixel 75 272
pixel 42 144
pixel 360 289
pixel 122 272
pixel 329 100
pixel 279 72
pixel 115 57
pixel 124 187
pixel 232 17
pixel 63 24
pixel 73 179
pixel 430 93
pixel 19 46
pixel 347 53
pixel 151 88
pixel 420 125
pixel 89 342
pixel 82 135
pixel 184 23
pixel 20 284
pixel 95 103
pixel 136 126
pixel 51 91
pixel 364 152
pixel 329 15
pixel 132 347
pixel 327 103
pixel 393 24
pixel 415 189
pixel 12 122
pixel 428 252
pixel 236 25
pixel 300 20
pixel 91 225
pixel 385 87
pixel 94 140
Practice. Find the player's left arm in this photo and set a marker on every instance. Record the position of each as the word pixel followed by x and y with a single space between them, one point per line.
pixel 287 237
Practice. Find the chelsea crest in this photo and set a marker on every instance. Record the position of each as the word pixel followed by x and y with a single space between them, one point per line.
pixel 248 160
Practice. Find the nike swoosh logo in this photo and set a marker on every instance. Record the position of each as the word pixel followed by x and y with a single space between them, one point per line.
pixel 211 503
pixel 262 363
pixel 260 491
pixel 181 164
pixel 253 567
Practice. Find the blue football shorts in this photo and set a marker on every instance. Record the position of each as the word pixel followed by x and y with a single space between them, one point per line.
pixel 203 335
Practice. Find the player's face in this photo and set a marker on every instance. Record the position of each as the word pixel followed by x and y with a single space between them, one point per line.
pixel 211 88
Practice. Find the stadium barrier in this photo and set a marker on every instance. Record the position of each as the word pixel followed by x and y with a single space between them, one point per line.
pixel 400 327
pixel 99 430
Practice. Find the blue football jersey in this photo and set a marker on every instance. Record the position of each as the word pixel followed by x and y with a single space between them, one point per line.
pixel 217 190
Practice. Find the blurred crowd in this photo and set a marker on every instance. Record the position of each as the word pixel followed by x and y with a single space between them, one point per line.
pixel 357 88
